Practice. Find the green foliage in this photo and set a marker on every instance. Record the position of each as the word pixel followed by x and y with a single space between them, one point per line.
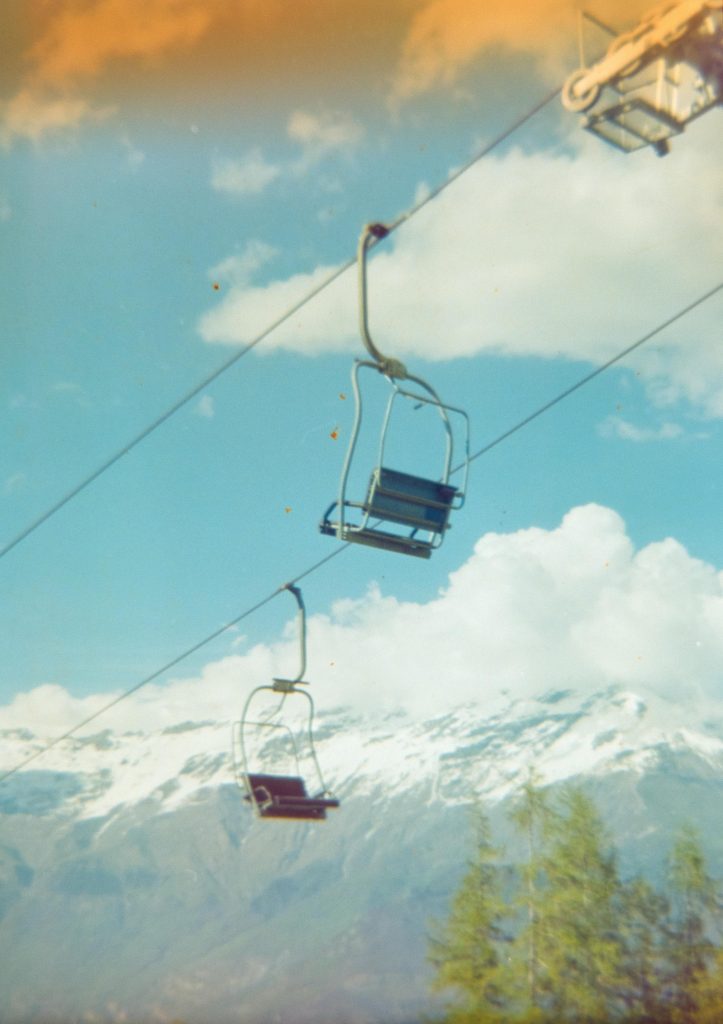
pixel 642 917
pixel 689 949
pixel 573 942
pixel 580 943
pixel 466 952
pixel 708 992
pixel 534 817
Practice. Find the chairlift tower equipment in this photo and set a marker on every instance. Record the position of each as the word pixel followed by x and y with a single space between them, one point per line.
pixel 653 80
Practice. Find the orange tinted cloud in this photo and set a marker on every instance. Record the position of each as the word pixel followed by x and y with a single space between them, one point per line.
pixel 73 45
pixel 76 40
pixel 69 58
pixel 79 41
pixel 446 36
pixel 31 116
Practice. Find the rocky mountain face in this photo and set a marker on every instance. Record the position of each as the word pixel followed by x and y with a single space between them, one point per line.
pixel 135 884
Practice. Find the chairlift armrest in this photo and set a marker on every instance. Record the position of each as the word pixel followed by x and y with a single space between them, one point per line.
pixel 328 512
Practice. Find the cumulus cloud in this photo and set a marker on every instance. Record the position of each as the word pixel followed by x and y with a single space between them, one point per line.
pixel 322 134
pixel 544 254
pixel 447 36
pixel 247 310
pixel 318 136
pixel 238 270
pixel 248 175
pixel 576 606
pixel 206 407
pixel 14 483
pixel 134 156
pixel 616 426
pixel 34 114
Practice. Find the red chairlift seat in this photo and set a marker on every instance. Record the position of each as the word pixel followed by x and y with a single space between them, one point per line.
pixel 285 796
pixel 273 794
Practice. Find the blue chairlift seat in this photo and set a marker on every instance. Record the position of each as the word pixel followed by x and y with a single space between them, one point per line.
pixel 420 506
pixel 409 500
pixel 405 500
pixel 285 796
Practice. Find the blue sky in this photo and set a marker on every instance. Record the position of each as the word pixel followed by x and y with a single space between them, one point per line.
pixel 151 230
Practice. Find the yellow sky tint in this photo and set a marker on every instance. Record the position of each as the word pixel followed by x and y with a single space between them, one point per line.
pixel 85 57
pixel 447 35
pixel 77 42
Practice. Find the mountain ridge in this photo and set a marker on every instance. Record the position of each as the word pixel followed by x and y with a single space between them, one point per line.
pixel 134 872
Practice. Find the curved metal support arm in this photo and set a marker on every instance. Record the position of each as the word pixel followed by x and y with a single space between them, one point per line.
pixel 353 436
pixel 312 746
pixel 443 408
pixel 387 365
pixel 301 619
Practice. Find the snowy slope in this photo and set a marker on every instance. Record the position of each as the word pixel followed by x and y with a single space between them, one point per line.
pixel 474 751
pixel 132 871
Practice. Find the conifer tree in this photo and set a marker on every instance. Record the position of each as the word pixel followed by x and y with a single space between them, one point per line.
pixel 689 949
pixel 580 943
pixel 466 952
pixel 533 817
pixel 708 992
pixel 642 914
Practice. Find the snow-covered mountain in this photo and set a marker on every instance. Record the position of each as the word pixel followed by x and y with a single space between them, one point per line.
pixel 135 884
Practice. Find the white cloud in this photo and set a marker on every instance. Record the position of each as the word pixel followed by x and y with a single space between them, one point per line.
pixel 238 270
pixel 616 426
pixel 535 254
pixel 206 407
pixel 15 482
pixel 321 135
pixel 249 175
pixel 71 391
pixel 33 114
pixel 576 606
pixel 21 401
pixel 135 157
pixel 246 310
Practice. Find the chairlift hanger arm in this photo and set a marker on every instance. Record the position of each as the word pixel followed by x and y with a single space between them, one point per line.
pixel 301 619
pixel 371 234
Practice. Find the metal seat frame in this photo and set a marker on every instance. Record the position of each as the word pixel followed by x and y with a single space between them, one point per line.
pixel 421 505
pixel 282 796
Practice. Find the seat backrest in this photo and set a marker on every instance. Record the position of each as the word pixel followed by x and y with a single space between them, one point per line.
pixel 409 500
pixel 278 785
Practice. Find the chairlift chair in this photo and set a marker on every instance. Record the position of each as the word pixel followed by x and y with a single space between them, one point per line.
pixel 419 505
pixel 272 794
